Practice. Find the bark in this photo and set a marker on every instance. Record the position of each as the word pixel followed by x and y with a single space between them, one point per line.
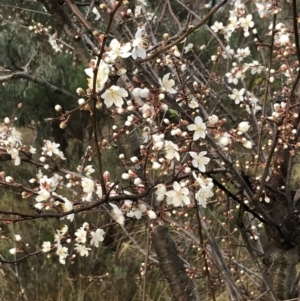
pixel 280 266
pixel 181 285
pixel 282 250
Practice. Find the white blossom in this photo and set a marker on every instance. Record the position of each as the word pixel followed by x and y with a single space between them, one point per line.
pixel 188 48
pixel 243 127
pixel 151 214
pixel 242 53
pixel 138 45
pixel 256 67
pixel 138 92
pixel 13 251
pixel 147 111
pixel 228 52
pixel 234 75
pixel 160 192
pixel 136 210
pixel 175 51
pixel 282 34
pixel 247 144
pixel 117 214
pixel 138 11
pixel 58 108
pixel 224 140
pixel 199 160
pixel 32 150
pixel 17 237
pixel 171 150
pixel 97 237
pixel 237 95
pixel 193 103
pixel 179 196
pixel 158 141
pixel 88 170
pixel 217 26
pixel 246 23
pixel 55 43
pixel 62 252
pixel 43 195
pixel 81 235
pixel 52 148
pixel 205 191
pixel 99 191
pixel 198 127
pixel 102 75
pixel 14 155
pixel 264 9
pixel 156 165
pixel 82 250
pixel 68 206
pixel 46 246
pixel 213 119
pixel 283 38
pixel 88 186
pixel 114 95
pixel 95 11
pixel 118 50
pixel 167 84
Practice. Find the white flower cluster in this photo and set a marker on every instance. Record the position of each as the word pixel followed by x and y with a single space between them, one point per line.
pixel 238 20
pixel 131 209
pixel 10 141
pixel 50 149
pixel 102 74
pixel 282 34
pixel 81 236
pixel 47 186
pixel 205 189
pixel 180 195
pixel 236 74
pixel 56 44
pixel 174 148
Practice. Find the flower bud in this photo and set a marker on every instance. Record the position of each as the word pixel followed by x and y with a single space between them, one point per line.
pixel 81 101
pixel 58 108
pixel 18 237
pixel 63 124
pixel 125 176
pixel 106 176
pixel 161 96
pixel 80 91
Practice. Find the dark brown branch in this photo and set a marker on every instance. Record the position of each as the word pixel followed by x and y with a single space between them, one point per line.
pixel 86 207
pixel 78 14
pixel 38 81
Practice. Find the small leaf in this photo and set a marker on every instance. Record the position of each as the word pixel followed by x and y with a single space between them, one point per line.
pixel 173 113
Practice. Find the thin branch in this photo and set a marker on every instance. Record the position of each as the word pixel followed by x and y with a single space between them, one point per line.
pixel 41 82
pixel 186 32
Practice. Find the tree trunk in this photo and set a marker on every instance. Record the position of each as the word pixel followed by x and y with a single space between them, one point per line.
pixel 181 285
pixel 281 252
pixel 280 267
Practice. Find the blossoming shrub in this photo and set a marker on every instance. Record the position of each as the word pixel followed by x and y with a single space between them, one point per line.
pixel 185 130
